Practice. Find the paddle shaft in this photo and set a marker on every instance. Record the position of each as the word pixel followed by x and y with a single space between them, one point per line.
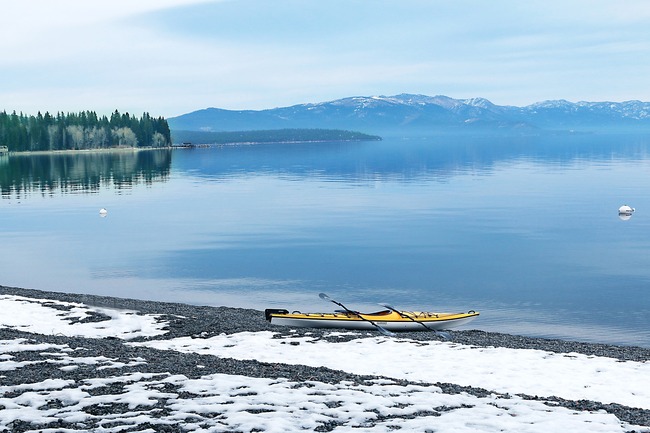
pixel 402 314
pixel 407 316
pixel 379 328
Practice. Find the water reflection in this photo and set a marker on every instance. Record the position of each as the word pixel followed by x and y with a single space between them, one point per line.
pixel 401 159
pixel 524 230
pixel 81 172
pixel 407 159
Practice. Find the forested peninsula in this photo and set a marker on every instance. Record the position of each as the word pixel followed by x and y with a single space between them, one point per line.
pixel 269 136
pixel 81 131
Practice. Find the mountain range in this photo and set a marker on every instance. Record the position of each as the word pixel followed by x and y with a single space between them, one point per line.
pixel 426 114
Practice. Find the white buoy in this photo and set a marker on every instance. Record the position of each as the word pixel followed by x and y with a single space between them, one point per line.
pixel 103 212
pixel 625 210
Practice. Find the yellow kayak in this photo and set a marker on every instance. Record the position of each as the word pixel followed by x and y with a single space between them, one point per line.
pixel 390 320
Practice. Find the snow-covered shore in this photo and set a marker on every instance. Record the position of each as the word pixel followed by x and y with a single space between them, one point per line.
pixel 73 362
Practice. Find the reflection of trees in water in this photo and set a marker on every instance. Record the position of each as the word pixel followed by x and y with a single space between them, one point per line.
pixel 81 172
pixel 408 159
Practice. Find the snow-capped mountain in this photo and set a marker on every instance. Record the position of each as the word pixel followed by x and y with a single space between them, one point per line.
pixel 422 113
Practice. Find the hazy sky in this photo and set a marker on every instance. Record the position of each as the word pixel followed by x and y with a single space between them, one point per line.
pixel 170 57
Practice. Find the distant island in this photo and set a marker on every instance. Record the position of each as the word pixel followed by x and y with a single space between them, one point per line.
pixel 81 131
pixel 188 138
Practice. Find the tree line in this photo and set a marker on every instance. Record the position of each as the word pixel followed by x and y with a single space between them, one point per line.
pixel 269 136
pixel 83 130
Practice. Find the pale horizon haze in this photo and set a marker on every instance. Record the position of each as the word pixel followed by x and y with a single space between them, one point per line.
pixel 170 57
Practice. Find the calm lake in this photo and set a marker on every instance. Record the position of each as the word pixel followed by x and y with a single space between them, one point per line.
pixel 524 230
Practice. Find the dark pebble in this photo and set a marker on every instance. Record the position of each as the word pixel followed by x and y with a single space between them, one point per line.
pixel 205 321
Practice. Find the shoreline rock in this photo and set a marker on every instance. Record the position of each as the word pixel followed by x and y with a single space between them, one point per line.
pixel 204 321
pixel 208 321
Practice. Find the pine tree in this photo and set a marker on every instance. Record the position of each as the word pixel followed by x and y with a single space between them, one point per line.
pixel 81 130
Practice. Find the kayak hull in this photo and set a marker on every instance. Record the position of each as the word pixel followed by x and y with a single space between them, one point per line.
pixel 404 321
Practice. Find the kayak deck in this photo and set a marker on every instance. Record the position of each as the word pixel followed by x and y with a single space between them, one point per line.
pixel 387 319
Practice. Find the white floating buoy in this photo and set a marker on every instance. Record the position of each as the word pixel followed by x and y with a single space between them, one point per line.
pixel 103 212
pixel 625 210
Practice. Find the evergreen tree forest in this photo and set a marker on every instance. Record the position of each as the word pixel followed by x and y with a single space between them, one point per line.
pixel 83 130
pixel 270 136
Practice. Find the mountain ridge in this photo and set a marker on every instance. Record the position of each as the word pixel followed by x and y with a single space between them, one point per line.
pixel 422 113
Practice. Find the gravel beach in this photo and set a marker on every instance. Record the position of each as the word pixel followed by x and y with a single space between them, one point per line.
pixel 185 320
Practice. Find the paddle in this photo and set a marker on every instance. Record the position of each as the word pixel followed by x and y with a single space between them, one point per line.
pixel 379 328
pixel 444 335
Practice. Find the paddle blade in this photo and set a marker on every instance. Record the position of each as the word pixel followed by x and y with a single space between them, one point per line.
pixel 324 296
pixel 384 331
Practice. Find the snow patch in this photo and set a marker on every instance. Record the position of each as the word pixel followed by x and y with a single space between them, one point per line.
pixel 51 317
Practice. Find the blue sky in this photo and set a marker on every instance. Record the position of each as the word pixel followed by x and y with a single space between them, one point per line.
pixel 170 57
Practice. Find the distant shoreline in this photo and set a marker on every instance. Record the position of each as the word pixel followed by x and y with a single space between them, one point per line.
pixel 254 143
pixel 71 151
pixel 268 136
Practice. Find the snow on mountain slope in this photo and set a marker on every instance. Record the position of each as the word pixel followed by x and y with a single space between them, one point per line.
pixel 374 114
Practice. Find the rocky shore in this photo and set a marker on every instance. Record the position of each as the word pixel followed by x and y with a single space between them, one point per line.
pixel 202 322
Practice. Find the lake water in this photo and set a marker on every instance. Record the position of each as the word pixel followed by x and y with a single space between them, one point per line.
pixel 524 230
